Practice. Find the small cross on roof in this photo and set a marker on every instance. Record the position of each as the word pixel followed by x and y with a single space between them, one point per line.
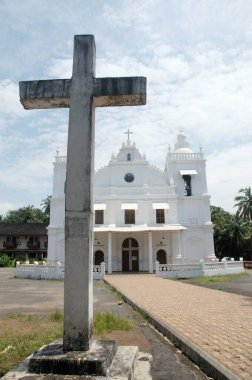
pixel 128 133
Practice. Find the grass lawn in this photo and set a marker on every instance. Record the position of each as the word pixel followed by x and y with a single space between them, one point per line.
pixel 21 334
pixel 217 278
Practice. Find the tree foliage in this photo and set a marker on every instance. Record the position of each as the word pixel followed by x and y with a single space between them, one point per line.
pixel 232 234
pixel 244 203
pixel 28 214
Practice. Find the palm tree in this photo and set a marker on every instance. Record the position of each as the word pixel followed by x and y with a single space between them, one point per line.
pixel 244 203
pixel 46 203
pixel 238 230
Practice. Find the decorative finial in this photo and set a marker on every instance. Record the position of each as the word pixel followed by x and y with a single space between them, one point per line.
pixel 57 151
pixel 200 148
pixel 128 133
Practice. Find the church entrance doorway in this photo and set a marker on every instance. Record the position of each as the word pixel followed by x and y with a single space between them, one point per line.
pixel 130 255
pixel 161 256
pixel 99 257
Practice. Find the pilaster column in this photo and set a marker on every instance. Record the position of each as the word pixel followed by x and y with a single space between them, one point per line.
pixel 109 252
pixel 176 247
pixel 179 247
pixel 150 253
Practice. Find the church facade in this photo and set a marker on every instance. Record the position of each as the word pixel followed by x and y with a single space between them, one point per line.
pixel 141 213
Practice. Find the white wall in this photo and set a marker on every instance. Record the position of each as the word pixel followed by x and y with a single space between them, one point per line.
pixel 150 185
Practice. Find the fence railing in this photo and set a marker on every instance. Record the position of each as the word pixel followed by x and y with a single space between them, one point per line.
pixel 45 271
pixel 201 269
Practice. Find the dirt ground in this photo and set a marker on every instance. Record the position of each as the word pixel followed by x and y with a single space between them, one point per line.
pixel 41 296
pixel 241 285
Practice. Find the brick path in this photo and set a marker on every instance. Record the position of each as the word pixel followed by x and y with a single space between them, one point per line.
pixel 218 323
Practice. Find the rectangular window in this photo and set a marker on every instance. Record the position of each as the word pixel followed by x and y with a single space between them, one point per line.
pixel 160 216
pixel 187 185
pixel 33 239
pixel 129 216
pixel 11 240
pixel 99 216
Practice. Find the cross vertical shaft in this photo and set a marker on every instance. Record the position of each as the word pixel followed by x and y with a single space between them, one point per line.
pixel 78 301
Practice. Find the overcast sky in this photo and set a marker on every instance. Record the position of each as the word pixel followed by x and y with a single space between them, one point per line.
pixel 196 55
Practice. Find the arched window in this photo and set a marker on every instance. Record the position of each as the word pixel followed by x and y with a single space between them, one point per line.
pixel 128 157
pixel 99 257
pixel 161 256
pixel 130 242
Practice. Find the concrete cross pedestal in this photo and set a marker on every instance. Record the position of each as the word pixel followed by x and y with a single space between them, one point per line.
pixel 81 94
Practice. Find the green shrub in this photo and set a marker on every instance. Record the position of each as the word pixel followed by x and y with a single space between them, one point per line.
pixel 6 261
pixel 56 316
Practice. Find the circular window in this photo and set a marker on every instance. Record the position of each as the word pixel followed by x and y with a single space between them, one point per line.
pixel 129 177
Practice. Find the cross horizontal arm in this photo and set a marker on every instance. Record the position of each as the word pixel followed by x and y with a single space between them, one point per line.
pixel 45 94
pixel 55 93
pixel 125 91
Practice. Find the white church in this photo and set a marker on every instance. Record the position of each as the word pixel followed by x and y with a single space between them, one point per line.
pixel 142 214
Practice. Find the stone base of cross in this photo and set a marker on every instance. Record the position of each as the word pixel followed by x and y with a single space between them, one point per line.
pixel 82 93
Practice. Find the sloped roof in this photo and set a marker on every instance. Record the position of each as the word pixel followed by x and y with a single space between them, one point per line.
pixel 37 229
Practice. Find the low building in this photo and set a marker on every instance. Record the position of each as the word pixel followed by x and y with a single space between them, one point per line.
pixel 141 213
pixel 24 240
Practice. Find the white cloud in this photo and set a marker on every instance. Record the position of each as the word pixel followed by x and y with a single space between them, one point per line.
pixel 61 68
pixel 5 207
pixel 196 55
pixel 9 99
pixel 228 170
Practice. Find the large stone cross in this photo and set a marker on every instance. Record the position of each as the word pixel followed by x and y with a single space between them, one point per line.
pixel 82 94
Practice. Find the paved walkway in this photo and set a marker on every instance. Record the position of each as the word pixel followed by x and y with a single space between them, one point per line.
pixel 218 323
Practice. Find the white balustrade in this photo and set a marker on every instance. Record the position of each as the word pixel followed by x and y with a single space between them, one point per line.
pixel 185 156
pixel 45 271
pixel 61 159
pixel 202 269
pixel 162 270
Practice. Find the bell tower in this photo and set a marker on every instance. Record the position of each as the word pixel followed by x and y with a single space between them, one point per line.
pixel 186 169
pixel 186 172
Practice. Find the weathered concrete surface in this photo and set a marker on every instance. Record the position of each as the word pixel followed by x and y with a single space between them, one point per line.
pixel 78 301
pixel 142 370
pixel 46 94
pixel 85 93
pixel 110 92
pixel 52 359
pixel 128 364
pixel 124 363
